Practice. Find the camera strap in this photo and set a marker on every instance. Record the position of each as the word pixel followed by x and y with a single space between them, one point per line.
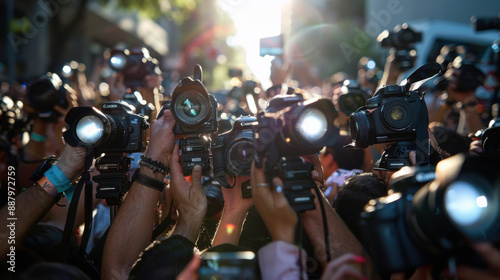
pixel 73 207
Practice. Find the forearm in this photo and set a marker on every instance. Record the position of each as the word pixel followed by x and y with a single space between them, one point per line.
pixel 340 238
pixel 131 231
pixel 29 208
pixel 230 226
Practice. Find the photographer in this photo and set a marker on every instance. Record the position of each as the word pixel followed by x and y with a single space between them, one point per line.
pixel 35 202
pixel 125 242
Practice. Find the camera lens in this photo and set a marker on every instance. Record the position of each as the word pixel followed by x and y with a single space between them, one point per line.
pixel 465 204
pixel 89 129
pixel 192 108
pixel 118 61
pixel 397 115
pixel 350 102
pixel 240 154
pixel 312 124
pixel 361 129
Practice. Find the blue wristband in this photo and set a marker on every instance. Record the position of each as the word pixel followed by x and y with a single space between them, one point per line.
pixel 60 181
pixel 37 137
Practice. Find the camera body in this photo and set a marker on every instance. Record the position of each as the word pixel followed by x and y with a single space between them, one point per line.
pixel 297 182
pixel 195 152
pixel 114 129
pixel 233 151
pixel 44 93
pixel 215 199
pixel 431 221
pixel 391 115
pixel 135 64
pixel 401 41
pixel 142 107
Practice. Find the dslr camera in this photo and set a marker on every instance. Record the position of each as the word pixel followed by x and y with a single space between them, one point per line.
pixel 395 113
pixel 195 113
pixel 401 42
pixel 292 127
pixel 44 93
pixel 115 129
pixel 135 64
pixel 430 221
pixel 233 151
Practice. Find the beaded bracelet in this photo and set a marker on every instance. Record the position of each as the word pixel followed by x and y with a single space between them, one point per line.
pixel 154 165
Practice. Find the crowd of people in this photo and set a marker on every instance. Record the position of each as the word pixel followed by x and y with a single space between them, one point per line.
pixel 167 225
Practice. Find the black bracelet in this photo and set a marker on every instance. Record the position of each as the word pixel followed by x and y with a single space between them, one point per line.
pixel 154 165
pixel 148 181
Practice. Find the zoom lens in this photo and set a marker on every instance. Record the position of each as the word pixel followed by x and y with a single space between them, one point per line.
pixel 312 124
pixel 90 129
pixel 192 108
pixel 361 129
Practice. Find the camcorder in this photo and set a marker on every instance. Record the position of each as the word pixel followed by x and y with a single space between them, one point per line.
pixel 289 128
pixel 195 113
pixel 116 131
pixel 44 93
pixel 401 41
pixel 135 64
pixel 233 151
pixel 396 113
pixel 432 216
pixel 352 97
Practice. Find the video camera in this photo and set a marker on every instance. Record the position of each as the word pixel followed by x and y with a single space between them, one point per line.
pixel 433 216
pixel 195 113
pixel 396 114
pixel 401 41
pixel 135 64
pixel 44 93
pixel 292 127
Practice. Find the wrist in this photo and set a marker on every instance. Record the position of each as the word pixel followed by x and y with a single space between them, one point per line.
pixel 284 234
pixel 150 173
pixel 70 174
pixel 189 229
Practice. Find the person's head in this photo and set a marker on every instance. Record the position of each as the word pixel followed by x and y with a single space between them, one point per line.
pixel 450 141
pixel 336 156
pixel 165 259
pixel 354 195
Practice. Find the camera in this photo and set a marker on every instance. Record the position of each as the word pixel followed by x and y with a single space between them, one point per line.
pixel 142 107
pixel 135 64
pixel 352 97
pixel 233 151
pixel 431 220
pixel 395 113
pixel 115 129
pixel 12 121
pixel 401 42
pixel 44 93
pixel 195 114
pixel 215 199
pixel 292 127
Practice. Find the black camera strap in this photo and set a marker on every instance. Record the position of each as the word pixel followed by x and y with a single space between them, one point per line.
pixel 73 207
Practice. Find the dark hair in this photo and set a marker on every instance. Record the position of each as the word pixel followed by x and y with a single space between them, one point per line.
pixel 164 259
pixel 450 141
pixel 354 195
pixel 49 271
pixel 346 158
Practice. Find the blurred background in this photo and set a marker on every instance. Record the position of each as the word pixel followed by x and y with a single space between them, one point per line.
pixel 319 37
